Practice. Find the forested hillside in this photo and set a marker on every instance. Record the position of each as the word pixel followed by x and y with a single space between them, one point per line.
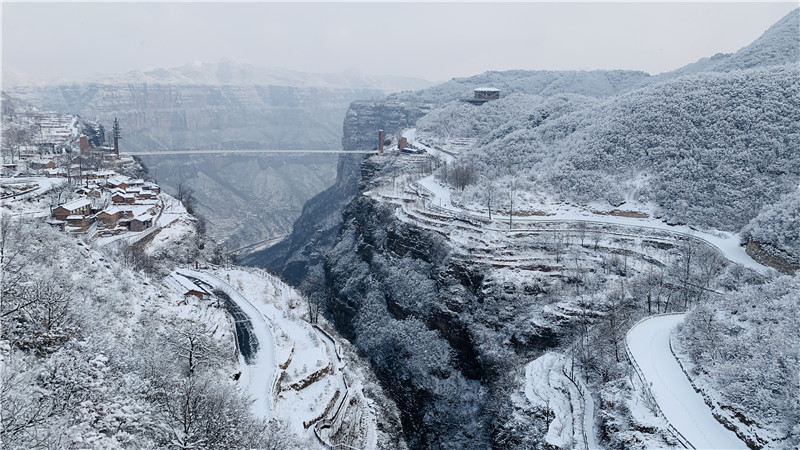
pixel 710 150
pixel 743 352
pixel 97 353
pixel 779 225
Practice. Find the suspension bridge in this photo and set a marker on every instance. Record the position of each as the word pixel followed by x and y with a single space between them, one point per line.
pixel 241 151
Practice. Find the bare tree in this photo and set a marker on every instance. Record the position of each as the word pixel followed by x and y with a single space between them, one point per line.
pixel 582 230
pixel 186 196
pixel 489 194
pixel 444 172
pixel 596 236
pixel 682 268
pixel 192 343
pixel 65 163
pixel 314 290
pixel 13 140
pixel 463 175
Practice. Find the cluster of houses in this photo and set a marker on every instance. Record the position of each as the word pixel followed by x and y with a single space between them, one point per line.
pixel 114 203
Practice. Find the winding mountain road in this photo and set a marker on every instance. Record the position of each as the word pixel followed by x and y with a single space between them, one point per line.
pixel 648 342
pixel 259 368
pixel 682 406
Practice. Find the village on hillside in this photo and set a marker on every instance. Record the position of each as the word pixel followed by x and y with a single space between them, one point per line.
pixel 78 185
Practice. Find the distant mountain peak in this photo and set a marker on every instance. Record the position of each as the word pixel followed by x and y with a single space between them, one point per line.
pixel 229 72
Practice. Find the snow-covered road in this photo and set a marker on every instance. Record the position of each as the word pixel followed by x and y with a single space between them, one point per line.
pixel 257 376
pixel 683 407
pixel 726 243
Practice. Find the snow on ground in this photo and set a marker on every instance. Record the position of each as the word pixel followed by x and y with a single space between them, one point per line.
pixel 440 194
pixel 305 356
pixel 31 203
pixel 300 351
pixel 256 377
pixel 411 135
pixel 177 231
pixel 548 387
pixel 170 209
pixel 682 406
pixel 727 243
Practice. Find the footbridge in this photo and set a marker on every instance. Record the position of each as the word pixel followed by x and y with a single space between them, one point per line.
pixel 241 152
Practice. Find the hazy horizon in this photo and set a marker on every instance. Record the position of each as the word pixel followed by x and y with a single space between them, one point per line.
pixel 431 41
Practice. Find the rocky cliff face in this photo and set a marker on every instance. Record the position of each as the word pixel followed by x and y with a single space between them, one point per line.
pixel 312 235
pixel 166 116
pixel 248 201
pixel 442 331
pixel 441 336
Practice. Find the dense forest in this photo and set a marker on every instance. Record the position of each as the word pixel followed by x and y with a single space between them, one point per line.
pixel 711 149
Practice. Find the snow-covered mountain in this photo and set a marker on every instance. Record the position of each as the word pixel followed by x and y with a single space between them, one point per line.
pixel 506 272
pixel 226 72
pixel 777 46
pixel 231 106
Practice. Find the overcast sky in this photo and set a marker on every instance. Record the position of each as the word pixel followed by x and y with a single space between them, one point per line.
pixel 435 41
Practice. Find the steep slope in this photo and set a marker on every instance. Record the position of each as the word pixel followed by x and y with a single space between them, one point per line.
pixel 313 233
pixel 741 353
pixel 449 307
pixel 780 39
pixel 708 150
pixel 777 46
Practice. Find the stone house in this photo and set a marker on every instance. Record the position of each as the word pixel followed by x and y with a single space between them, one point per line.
pixel 81 207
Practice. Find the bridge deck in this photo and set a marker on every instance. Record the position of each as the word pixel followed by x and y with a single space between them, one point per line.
pixel 217 152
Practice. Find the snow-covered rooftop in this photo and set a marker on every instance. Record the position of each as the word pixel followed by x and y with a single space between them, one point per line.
pixel 486 89
pixel 76 204
pixel 185 283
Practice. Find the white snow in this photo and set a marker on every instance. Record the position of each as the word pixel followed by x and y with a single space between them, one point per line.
pixel 683 407
pixel 440 194
pixel 547 386
pixel 256 377
pixel 726 243
pixel 411 135
pixel 301 350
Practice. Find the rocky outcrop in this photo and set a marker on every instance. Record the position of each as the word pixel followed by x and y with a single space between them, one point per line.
pixel 773 257
pixel 440 332
pixel 313 233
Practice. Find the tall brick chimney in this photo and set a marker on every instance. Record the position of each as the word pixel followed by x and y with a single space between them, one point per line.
pixel 380 142
pixel 84 143
pixel 117 132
